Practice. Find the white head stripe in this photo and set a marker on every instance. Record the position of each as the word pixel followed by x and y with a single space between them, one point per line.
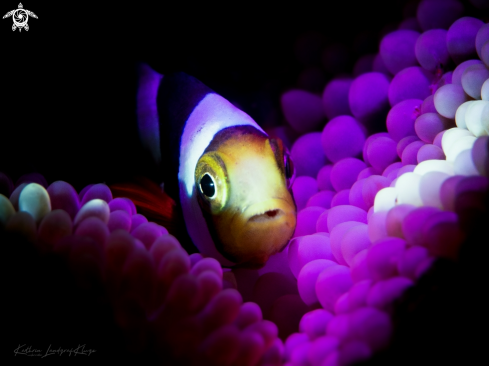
pixel 210 116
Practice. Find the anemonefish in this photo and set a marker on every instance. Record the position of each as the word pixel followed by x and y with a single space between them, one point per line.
pixel 230 181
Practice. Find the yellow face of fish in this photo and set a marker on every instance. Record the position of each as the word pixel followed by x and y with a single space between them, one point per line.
pixel 243 183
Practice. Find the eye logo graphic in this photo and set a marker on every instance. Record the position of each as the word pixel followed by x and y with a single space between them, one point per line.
pixel 20 17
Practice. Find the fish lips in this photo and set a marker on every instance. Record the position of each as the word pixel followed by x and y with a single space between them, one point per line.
pixel 260 231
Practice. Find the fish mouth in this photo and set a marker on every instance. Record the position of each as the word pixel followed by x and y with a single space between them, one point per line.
pixel 273 209
pixel 266 216
pixel 262 229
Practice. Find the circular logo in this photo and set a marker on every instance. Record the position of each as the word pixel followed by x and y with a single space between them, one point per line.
pixel 20 17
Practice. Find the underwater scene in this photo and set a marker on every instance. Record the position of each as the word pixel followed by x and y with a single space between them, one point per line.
pixel 290 184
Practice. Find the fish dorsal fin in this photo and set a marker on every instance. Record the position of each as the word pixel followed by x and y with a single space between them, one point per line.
pixel 147 113
pixel 151 201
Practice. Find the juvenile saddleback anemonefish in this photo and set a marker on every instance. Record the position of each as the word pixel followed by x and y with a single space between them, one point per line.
pixel 225 180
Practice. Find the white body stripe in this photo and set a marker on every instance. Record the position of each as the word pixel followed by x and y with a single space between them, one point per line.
pixel 211 115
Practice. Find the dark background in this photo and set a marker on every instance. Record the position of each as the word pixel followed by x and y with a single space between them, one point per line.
pixel 67 98
pixel 68 85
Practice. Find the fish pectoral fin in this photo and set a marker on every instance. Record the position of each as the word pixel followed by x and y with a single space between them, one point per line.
pixel 150 201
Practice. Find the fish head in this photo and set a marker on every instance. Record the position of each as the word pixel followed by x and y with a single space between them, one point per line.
pixel 244 183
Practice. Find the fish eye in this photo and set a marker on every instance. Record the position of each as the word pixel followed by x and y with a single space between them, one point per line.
pixel 280 151
pixel 211 182
pixel 207 185
pixel 289 169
